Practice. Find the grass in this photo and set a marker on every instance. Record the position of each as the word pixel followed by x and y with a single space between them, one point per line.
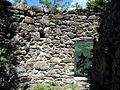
pixel 53 87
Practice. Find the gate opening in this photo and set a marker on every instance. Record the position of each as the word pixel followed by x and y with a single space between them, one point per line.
pixel 83 57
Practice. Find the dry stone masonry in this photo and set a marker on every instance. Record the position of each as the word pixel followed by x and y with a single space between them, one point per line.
pixel 45 42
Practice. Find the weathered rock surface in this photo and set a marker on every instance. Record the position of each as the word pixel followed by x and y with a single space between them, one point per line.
pixel 41 65
pixel 29 20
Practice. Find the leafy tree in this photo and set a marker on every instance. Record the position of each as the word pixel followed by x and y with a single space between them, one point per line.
pixel 46 3
pixel 96 4
pixel 76 6
pixel 54 5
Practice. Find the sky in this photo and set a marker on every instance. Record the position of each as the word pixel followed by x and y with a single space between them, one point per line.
pixel 81 2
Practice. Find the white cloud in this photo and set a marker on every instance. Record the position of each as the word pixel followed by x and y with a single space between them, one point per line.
pixel 81 2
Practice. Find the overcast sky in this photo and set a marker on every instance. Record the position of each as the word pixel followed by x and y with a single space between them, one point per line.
pixel 36 2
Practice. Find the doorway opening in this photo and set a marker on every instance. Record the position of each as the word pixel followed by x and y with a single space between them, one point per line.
pixel 83 57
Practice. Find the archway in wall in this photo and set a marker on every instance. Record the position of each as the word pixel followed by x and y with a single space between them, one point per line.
pixel 83 57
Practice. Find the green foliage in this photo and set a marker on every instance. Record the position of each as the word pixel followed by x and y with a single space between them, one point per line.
pixel 54 5
pixel 82 63
pixel 76 6
pixel 40 87
pixel 83 46
pixel 3 24
pixel 5 56
pixel 96 4
pixel 6 53
pixel 46 3
pixel 53 87
pixel 74 87
pixel 20 87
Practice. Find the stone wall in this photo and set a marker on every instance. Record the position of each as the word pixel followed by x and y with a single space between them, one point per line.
pixel 45 42
pixel 106 60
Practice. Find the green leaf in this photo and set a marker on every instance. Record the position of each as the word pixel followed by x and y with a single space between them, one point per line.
pixel 76 5
pixel 45 2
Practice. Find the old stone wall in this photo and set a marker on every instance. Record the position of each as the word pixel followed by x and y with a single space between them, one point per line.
pixel 45 42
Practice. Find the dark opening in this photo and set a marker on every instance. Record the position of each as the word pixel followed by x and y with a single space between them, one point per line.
pixel 42 34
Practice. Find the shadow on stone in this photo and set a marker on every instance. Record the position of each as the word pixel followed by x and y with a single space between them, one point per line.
pixel 106 57
pixel 8 74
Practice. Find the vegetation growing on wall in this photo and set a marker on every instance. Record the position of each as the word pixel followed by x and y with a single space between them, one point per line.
pixel 50 86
